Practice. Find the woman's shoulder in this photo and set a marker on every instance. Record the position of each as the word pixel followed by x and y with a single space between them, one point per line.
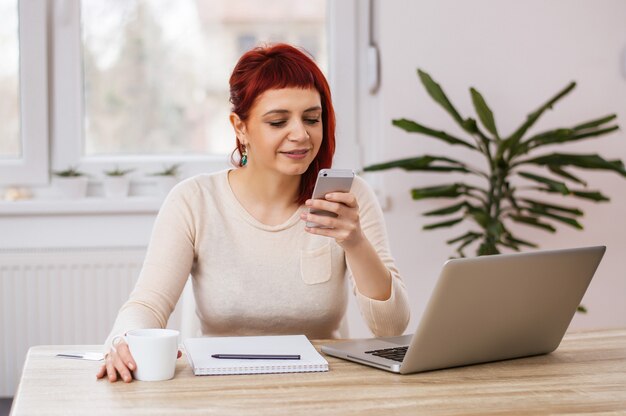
pixel 360 187
pixel 198 185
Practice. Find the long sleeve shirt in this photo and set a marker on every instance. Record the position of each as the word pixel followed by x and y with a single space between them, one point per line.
pixel 250 278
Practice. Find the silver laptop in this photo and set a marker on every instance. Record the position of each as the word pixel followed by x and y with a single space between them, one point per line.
pixel 487 309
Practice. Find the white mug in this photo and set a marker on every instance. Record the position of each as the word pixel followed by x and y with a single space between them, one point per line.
pixel 155 351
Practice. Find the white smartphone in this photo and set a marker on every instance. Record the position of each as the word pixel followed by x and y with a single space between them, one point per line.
pixel 330 180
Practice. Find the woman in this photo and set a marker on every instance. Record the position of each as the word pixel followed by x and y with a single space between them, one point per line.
pixel 256 267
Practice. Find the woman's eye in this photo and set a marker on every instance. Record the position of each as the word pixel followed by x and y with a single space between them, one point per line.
pixel 277 123
pixel 312 120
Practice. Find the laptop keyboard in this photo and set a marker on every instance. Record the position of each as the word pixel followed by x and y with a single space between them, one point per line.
pixel 396 354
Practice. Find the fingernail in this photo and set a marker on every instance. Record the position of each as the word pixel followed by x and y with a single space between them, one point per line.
pixel 131 366
pixel 308 202
pixel 331 196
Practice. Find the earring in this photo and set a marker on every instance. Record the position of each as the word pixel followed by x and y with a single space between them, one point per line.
pixel 244 156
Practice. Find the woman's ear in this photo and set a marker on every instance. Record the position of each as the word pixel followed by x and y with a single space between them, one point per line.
pixel 238 125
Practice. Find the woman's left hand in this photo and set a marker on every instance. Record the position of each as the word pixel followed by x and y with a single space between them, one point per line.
pixel 345 228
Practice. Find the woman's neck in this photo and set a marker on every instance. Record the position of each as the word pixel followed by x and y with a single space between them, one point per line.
pixel 266 195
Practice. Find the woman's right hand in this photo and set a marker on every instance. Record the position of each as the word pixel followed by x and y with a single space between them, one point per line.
pixel 118 362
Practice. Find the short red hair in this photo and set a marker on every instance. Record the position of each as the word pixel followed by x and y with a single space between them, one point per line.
pixel 283 66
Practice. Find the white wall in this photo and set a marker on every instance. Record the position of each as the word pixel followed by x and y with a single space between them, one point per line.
pixel 517 54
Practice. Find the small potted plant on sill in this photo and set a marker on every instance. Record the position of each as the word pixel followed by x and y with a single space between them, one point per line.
pixel 116 182
pixel 166 178
pixel 70 183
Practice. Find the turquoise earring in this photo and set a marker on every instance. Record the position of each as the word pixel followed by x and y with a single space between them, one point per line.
pixel 244 157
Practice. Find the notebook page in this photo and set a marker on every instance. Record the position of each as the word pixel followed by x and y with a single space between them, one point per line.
pixel 199 351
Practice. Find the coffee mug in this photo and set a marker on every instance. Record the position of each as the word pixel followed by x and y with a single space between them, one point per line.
pixel 155 351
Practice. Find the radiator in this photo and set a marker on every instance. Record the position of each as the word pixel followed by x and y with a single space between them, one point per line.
pixel 59 296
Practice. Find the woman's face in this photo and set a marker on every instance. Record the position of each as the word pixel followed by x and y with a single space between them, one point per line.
pixel 284 130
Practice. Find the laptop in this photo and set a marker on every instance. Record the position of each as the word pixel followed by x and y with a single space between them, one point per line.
pixel 487 309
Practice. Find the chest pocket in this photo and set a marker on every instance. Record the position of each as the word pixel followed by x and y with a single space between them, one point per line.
pixel 315 265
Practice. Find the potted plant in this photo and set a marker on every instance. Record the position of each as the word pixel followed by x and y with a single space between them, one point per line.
pixel 513 176
pixel 70 183
pixel 166 178
pixel 116 182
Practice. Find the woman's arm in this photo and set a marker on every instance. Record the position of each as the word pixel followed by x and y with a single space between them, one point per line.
pixel 372 278
pixel 360 229
pixel 162 278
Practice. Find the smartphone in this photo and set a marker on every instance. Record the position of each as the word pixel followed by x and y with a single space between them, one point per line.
pixel 330 180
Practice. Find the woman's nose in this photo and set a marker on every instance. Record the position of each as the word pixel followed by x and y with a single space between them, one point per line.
pixel 298 132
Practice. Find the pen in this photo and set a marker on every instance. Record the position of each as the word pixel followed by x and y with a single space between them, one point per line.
pixel 70 355
pixel 256 356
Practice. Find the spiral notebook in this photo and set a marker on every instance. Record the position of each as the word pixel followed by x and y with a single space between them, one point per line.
pixel 200 350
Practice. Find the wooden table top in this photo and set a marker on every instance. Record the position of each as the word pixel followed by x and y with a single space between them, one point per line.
pixel 586 374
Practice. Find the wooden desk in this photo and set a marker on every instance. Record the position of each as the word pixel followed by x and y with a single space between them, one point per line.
pixel 586 374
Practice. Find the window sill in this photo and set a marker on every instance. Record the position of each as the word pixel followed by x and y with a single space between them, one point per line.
pixel 84 206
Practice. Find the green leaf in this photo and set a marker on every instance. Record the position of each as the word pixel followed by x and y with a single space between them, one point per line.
pixel 446 210
pixel 552 184
pixel 533 221
pixel 593 195
pixel 444 191
pixel 592 161
pixel 441 191
pixel 480 216
pixel 508 244
pixel 563 136
pixel 484 112
pixel 566 220
pixel 469 234
pixel 520 242
pixel 466 243
pixel 552 207
pixel 564 174
pixel 532 118
pixel 595 123
pixel 436 93
pixel 423 163
pixel 442 224
pixel 413 127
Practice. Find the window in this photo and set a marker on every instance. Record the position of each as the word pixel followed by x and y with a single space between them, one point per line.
pixel 23 88
pixel 155 76
pixel 10 142
pixel 144 83
pixel 156 72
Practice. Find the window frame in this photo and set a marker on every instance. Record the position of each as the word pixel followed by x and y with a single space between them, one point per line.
pixel 32 168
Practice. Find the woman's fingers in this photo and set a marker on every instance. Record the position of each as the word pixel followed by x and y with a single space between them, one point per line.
pixel 323 205
pixel 122 369
pixel 123 361
pixel 102 372
pixel 123 352
pixel 323 220
pixel 112 373
pixel 346 198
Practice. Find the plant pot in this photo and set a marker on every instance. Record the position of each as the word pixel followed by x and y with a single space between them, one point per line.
pixel 73 187
pixel 164 184
pixel 116 186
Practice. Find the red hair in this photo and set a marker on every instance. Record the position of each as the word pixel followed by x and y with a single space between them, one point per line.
pixel 283 66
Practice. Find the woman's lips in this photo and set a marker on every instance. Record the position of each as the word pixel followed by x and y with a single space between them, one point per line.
pixel 296 154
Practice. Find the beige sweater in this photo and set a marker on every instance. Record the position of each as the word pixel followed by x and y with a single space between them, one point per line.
pixel 250 278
